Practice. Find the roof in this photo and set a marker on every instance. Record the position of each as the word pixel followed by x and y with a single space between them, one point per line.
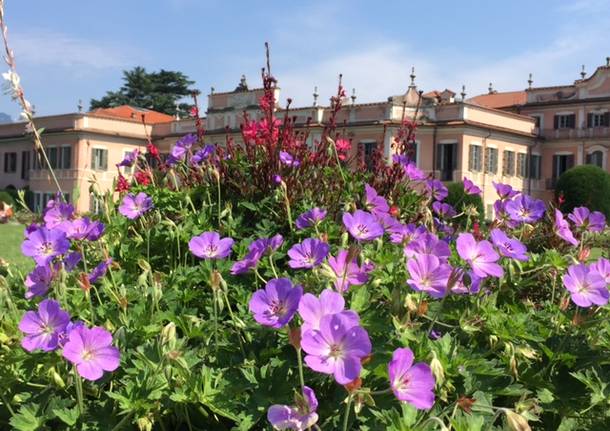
pixel 500 100
pixel 133 113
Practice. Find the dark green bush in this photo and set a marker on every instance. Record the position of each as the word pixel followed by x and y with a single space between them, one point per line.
pixel 460 200
pixel 585 185
pixel 7 198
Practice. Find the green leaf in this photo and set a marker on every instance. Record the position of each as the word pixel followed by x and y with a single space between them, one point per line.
pixel 68 416
pixel 360 299
pixel 545 396
pixel 28 418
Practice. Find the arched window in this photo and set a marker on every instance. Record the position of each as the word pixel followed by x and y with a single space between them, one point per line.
pixel 595 158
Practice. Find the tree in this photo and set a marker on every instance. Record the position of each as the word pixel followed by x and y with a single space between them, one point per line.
pixel 585 185
pixel 158 91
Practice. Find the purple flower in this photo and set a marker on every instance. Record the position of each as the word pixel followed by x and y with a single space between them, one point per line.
pixel 203 154
pixel 428 243
pixel 443 210
pixel 404 234
pixel 508 247
pixel 413 383
pixel 243 266
pixel 505 191
pixel 374 203
pixel 59 216
pixel 461 288
pixel 346 273
pixel 428 274
pixel 300 417
pixel 130 158
pixel 310 218
pixel 288 160
pixel 593 221
pixel 413 172
pixel 602 267
pixel 83 228
pixel 436 190
pixel 308 254
pixel 133 207
pixel 524 209
pixel 65 335
pixel 43 245
pixel 42 327
pixel 275 306
pixel 38 281
pixel 99 271
pixel 92 352
pixel 277 179
pixel 209 245
pixel 187 141
pixel 400 159
pixel 71 260
pixel 562 228
pixel 256 250
pixel 481 256
pixel 336 348
pixel 471 188
pixel 362 226
pixel 312 309
pixel 586 286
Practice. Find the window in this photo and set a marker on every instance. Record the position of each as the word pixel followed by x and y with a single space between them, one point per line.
pixel 52 153
pixel 474 158
pixel 508 163
pixel 491 160
pixel 369 150
pixel 535 166
pixel 522 165
pixel 95 204
pixel 446 160
pixel 38 202
pixel 10 163
pixel 537 118
pixel 595 119
pixel 65 157
pixel 127 169
pixel 561 163
pixel 565 121
pixel 99 159
pixel 595 158
pixel 25 165
pixel 36 160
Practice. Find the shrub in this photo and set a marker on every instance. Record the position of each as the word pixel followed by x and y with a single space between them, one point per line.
pixel 7 198
pixel 585 185
pixel 461 201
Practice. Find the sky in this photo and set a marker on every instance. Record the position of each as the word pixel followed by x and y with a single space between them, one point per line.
pixel 68 50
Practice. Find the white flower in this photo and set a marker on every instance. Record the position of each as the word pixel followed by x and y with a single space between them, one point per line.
pixel 12 83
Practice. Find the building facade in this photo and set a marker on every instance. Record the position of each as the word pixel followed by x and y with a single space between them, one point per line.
pixel 524 138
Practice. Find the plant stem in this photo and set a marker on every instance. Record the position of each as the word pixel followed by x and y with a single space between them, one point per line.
pixel 123 421
pixel 241 346
pixel 219 197
pixel 346 414
pixel 215 299
pixel 438 313
pixel 272 266
pixel 8 406
pixel 79 392
pixel 300 361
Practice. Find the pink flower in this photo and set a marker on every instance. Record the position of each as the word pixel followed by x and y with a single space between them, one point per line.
pixel 92 352
pixel 480 255
pixel 586 286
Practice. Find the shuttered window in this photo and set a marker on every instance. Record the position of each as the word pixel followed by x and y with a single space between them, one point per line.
pixel 65 157
pixel 598 119
pixel 535 167
pixel 491 160
pixel 99 159
pixel 508 163
pixel 522 165
pixel 565 121
pixel 474 158
pixel 561 163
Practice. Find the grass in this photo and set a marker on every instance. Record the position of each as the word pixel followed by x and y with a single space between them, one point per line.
pixel 11 237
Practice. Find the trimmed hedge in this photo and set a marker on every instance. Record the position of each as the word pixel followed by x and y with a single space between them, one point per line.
pixel 460 200
pixel 585 185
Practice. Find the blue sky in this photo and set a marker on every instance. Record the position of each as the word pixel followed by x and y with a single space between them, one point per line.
pixel 69 50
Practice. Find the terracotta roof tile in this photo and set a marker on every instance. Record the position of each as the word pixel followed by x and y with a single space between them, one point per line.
pixel 500 100
pixel 133 113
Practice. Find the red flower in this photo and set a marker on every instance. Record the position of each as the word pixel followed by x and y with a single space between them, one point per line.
pixel 394 211
pixel 122 184
pixel 152 150
pixel 142 178
pixel 194 112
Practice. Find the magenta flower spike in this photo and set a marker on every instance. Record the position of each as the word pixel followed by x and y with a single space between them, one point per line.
pixel 337 348
pixel 587 287
pixel 362 226
pixel 276 304
pixel 411 383
pixel 481 256
pixel 209 245
pixel 308 254
pixel 133 207
pixel 91 351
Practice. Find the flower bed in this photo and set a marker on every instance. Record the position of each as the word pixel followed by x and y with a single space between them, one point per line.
pixel 199 301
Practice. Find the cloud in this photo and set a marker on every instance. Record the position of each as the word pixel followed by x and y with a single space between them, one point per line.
pixel 47 48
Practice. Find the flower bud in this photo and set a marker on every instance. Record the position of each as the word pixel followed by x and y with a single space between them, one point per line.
pixel 516 422
pixel 493 340
pixel 56 378
pixel 437 370
pixel 410 303
pixel 583 255
pixel 294 337
pixel 353 385
pixel 168 335
pixel 215 279
pixel 144 424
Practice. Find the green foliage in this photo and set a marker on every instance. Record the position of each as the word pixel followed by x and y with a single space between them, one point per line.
pixel 462 202
pixel 7 198
pixel 585 185
pixel 158 91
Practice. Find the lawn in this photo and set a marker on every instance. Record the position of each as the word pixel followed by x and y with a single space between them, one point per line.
pixel 11 237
